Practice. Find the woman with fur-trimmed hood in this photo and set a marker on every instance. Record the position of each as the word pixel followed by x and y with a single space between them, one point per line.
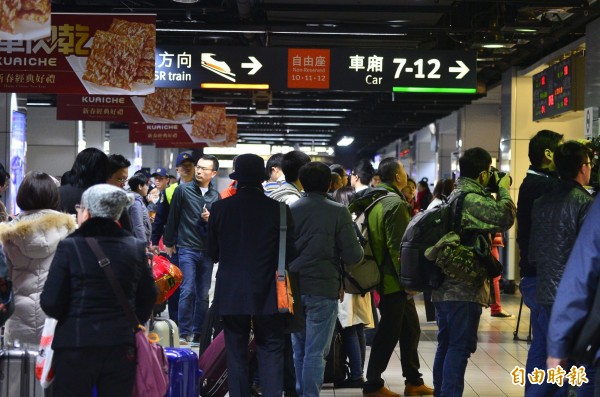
pixel 30 242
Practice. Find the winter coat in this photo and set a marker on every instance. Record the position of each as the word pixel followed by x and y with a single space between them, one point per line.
pixel 30 242
pixel 324 234
pixel 79 295
pixel 387 222
pixel 556 219
pixel 577 289
pixel 185 225
pixel 245 282
pixel 537 182
pixel 287 193
pixel 140 220
pixel 481 214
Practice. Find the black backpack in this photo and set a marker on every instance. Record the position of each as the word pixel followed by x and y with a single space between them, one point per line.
pixel 418 273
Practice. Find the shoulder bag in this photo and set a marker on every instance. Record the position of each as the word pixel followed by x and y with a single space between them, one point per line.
pixel 288 283
pixel 152 370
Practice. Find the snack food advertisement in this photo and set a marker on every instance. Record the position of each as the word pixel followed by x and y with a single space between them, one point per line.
pixel 97 54
pixel 165 106
pixel 24 19
pixel 209 126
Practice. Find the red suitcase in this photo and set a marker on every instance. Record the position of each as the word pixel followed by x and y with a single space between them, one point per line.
pixel 213 363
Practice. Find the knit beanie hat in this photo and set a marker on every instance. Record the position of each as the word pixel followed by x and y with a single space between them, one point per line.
pixel 106 201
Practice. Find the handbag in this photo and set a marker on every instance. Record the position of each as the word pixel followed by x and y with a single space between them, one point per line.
pixel 152 369
pixel 167 277
pixel 288 284
pixel 44 370
pixel 285 298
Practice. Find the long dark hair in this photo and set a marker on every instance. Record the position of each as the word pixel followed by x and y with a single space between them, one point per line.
pixel 90 168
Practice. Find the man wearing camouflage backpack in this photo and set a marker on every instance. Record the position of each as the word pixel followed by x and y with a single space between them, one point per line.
pixel 458 302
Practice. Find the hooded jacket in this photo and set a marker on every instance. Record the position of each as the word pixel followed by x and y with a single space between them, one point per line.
pixel 481 214
pixel 387 222
pixel 30 242
pixel 140 220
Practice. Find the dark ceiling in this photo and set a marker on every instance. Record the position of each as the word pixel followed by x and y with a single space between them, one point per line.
pixel 374 119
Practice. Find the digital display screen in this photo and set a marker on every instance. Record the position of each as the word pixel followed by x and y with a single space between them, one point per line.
pixel 554 91
pixel 17 158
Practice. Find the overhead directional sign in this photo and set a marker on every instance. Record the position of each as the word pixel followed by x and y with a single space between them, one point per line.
pixel 348 69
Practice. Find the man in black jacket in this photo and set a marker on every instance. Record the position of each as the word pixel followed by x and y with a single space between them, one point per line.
pixel 540 179
pixel 187 229
pixel 243 236
pixel 557 217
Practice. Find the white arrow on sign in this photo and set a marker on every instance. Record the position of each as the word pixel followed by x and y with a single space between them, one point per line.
pixel 254 65
pixel 462 69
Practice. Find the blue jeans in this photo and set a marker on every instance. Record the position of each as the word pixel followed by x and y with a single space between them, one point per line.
pixel 457 340
pixel 312 345
pixel 536 357
pixel 351 340
pixel 197 268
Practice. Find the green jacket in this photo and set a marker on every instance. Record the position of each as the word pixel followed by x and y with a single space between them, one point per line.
pixel 481 213
pixel 387 221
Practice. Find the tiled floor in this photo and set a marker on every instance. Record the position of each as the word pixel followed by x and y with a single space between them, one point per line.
pixel 488 371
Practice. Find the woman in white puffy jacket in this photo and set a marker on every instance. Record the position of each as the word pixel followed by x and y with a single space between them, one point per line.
pixel 30 241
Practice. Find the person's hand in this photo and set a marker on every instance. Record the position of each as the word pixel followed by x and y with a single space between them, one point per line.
pixel 553 362
pixel 171 250
pixel 205 214
pixel 410 293
pixel 505 181
pixel 155 250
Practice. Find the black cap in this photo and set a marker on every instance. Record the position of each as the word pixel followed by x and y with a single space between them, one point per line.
pixel 248 168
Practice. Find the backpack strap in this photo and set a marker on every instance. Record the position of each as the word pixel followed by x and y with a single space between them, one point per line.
pixel 457 210
pixel 385 251
pixel 282 238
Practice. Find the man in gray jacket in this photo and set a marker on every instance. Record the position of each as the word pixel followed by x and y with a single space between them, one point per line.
pixel 324 235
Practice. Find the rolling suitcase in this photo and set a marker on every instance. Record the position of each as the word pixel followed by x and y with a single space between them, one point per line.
pixel 17 374
pixel 167 331
pixel 184 376
pixel 213 363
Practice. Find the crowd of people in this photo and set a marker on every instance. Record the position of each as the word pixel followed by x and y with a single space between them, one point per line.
pixel 48 269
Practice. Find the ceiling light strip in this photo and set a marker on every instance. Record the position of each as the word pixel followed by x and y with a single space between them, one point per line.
pixel 235 86
pixel 262 31
pixel 435 90
pixel 275 116
pixel 276 109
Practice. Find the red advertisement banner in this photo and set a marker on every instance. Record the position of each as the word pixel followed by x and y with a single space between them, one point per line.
pixel 207 126
pixel 101 54
pixel 165 106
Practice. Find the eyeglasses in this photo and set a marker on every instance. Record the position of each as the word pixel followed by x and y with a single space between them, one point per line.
pixel 203 168
pixel 122 181
pixel 79 207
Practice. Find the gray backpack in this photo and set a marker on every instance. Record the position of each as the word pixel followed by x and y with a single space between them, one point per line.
pixel 364 276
